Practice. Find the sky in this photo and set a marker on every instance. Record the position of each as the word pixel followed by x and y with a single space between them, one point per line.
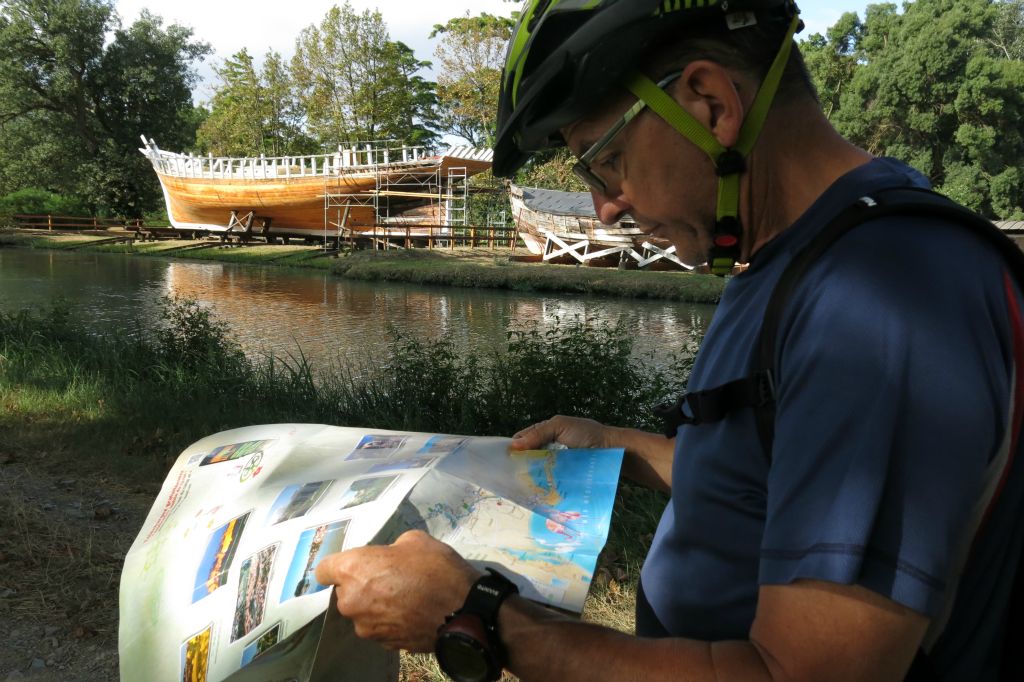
pixel 262 25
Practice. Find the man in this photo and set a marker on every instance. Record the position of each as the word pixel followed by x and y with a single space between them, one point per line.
pixel 881 529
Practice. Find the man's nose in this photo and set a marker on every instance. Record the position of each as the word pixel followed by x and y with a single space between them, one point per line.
pixel 610 209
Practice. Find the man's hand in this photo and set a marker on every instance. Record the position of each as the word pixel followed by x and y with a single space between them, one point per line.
pixel 648 455
pixel 573 432
pixel 399 594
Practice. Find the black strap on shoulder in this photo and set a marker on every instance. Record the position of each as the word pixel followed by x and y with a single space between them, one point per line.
pixel 757 391
pixel 706 407
pixel 907 202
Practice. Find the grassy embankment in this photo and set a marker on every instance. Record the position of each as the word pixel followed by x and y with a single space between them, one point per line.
pixel 118 409
pixel 460 267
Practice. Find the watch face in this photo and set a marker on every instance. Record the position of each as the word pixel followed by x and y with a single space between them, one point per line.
pixel 463 658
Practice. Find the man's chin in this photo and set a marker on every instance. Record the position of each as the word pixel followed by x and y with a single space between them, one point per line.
pixel 689 253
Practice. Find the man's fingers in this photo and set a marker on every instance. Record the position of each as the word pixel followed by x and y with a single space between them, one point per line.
pixel 333 567
pixel 533 436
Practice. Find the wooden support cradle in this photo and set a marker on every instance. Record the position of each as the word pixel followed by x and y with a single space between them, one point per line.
pixel 579 247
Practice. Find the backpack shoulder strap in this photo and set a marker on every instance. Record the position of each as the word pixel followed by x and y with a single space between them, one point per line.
pixel 757 390
pixel 904 201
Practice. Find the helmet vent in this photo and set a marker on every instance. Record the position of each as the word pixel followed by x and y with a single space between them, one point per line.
pixel 738 20
pixel 538 13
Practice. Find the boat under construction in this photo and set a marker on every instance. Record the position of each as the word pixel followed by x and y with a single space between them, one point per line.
pixel 564 226
pixel 362 188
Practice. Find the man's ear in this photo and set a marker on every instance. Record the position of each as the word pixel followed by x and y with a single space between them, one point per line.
pixel 706 89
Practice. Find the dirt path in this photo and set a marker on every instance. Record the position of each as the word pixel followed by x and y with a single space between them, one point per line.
pixel 63 538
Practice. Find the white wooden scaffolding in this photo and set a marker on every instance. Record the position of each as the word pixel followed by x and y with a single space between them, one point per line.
pixel 583 249
pixel 435 199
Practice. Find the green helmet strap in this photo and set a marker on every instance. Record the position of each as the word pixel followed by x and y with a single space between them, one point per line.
pixel 729 163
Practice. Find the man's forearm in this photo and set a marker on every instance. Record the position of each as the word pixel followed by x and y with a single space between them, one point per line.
pixel 543 645
pixel 648 458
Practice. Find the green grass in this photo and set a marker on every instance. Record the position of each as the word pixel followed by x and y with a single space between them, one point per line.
pixel 460 267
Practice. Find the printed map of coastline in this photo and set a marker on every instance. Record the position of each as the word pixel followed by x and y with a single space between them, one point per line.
pixel 222 573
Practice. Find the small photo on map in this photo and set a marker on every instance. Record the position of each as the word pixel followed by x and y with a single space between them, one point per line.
pixel 394 465
pixel 220 552
pixel 366 490
pixel 314 544
pixel 376 447
pixel 253 578
pixel 226 453
pixel 263 642
pixel 442 445
pixel 195 656
pixel 295 500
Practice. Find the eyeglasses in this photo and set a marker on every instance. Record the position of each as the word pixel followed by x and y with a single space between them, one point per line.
pixel 582 168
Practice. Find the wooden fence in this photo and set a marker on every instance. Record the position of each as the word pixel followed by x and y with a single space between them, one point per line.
pixel 381 236
pixel 435 236
pixel 65 222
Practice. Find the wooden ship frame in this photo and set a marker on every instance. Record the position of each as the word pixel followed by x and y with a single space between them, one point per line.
pixel 564 226
pixel 377 190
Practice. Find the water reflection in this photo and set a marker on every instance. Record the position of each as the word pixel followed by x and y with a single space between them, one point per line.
pixel 281 311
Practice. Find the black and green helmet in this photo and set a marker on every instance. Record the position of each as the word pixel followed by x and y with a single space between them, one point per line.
pixel 567 56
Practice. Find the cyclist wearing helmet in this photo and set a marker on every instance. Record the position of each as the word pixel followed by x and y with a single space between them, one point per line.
pixel 876 532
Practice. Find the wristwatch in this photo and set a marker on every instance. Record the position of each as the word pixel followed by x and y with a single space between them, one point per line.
pixel 468 647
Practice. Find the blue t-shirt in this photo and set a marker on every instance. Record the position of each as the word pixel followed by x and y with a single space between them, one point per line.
pixel 898 376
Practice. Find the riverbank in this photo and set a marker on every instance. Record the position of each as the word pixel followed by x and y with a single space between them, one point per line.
pixel 90 424
pixel 498 268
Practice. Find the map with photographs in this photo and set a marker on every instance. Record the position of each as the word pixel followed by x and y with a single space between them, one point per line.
pixel 223 570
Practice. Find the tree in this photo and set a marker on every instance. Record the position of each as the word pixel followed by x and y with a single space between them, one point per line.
pixel 551 168
pixel 832 61
pixel 235 124
pixel 52 51
pixel 471 56
pixel 1008 34
pixel 76 100
pixel 283 133
pixel 253 112
pixel 143 86
pixel 355 84
pixel 939 86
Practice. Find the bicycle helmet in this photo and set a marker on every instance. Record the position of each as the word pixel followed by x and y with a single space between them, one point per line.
pixel 565 56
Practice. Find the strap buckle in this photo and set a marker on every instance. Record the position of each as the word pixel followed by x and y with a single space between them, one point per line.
pixel 756 391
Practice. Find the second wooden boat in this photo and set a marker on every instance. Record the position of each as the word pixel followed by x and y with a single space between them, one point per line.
pixel 556 224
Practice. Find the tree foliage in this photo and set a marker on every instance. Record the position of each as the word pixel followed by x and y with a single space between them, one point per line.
pixel 73 101
pixel 940 85
pixel 471 55
pixel 254 112
pixel 356 84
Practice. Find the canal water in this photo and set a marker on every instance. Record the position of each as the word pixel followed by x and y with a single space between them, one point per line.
pixel 327 319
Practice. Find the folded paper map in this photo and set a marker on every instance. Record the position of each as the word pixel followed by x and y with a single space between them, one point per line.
pixel 222 573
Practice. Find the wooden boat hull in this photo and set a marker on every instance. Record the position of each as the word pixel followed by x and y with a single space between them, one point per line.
pixel 202 194
pixel 570 217
pixel 295 206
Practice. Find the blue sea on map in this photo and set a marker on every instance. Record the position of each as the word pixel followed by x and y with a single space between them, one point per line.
pixel 570 492
pixel 585 481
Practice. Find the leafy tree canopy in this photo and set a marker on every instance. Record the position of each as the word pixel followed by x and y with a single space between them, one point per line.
pixel 254 112
pixel 73 104
pixel 939 85
pixel 355 84
pixel 470 57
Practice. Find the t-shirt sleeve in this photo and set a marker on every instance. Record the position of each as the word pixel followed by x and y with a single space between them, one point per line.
pixel 893 393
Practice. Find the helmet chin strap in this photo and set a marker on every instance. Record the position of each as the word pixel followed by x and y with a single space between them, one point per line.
pixel 730 163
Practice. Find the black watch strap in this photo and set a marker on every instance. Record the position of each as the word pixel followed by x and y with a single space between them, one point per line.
pixel 468 646
pixel 487 594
